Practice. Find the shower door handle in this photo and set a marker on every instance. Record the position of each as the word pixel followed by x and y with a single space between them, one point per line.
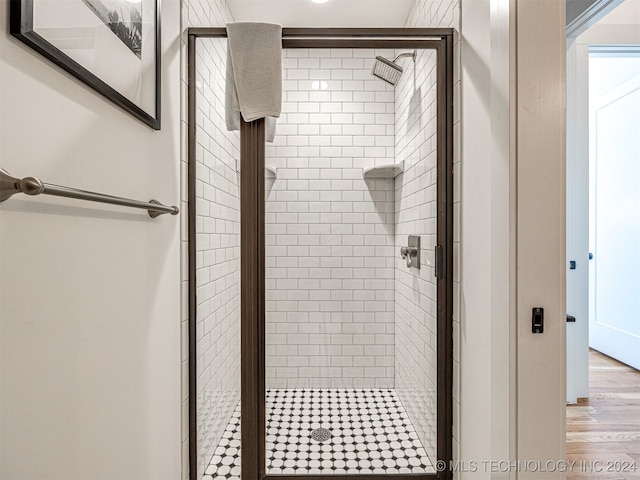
pixel 439 254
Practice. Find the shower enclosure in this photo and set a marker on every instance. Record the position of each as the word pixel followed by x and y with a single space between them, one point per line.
pixel 320 266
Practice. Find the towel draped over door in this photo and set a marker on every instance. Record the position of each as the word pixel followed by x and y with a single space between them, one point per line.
pixel 254 74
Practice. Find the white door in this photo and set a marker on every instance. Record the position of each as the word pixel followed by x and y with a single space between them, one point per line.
pixel 614 327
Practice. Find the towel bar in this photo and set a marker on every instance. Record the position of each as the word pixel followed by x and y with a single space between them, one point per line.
pixel 9 186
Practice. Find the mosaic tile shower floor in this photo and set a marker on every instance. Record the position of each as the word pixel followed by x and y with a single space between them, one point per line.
pixel 370 433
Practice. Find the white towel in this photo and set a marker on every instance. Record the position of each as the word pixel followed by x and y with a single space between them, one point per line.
pixel 254 74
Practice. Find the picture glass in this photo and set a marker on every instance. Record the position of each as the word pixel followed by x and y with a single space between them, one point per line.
pixel 114 40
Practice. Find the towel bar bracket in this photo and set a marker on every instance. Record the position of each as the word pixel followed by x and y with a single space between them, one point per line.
pixel 10 185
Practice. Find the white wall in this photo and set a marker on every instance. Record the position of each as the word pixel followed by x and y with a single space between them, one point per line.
pixel 487 330
pixel 541 226
pixel 89 293
pixel 329 232
pixel 512 237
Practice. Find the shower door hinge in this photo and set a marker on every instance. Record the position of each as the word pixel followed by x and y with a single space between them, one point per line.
pixel 439 262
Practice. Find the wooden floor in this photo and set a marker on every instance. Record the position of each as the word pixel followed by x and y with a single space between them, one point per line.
pixel 606 427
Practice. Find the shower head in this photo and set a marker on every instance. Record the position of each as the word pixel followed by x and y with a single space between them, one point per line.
pixel 388 70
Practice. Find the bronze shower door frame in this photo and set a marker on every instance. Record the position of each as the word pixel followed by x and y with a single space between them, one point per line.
pixel 252 245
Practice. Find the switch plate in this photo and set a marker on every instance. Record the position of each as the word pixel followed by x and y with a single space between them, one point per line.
pixel 537 320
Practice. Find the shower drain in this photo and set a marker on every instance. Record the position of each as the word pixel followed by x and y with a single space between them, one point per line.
pixel 320 434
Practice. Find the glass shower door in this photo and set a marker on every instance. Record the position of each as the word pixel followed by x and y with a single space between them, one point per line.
pixel 216 225
pixel 351 327
pixel 316 293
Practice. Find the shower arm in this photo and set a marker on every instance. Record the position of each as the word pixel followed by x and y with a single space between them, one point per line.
pixel 406 54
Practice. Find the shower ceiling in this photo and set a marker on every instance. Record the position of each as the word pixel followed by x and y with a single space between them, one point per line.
pixel 335 13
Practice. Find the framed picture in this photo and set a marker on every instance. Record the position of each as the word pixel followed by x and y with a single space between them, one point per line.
pixel 111 45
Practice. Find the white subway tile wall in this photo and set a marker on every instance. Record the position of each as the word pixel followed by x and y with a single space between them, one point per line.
pixel 415 215
pixel 217 244
pixel 415 289
pixel 330 234
pixel 217 252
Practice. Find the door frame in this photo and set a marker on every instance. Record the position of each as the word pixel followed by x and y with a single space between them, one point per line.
pixel 577 220
pixel 577 199
pixel 578 45
pixel 252 200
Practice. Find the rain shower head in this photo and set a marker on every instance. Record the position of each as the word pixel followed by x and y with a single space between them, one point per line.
pixel 388 70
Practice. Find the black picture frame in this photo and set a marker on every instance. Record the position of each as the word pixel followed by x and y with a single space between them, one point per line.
pixel 22 27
